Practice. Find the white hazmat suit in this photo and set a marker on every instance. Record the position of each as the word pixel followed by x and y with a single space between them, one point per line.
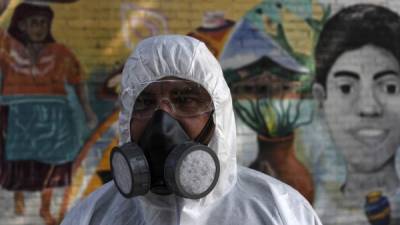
pixel 241 196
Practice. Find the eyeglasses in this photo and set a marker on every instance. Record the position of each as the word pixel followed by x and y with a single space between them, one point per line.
pixel 180 97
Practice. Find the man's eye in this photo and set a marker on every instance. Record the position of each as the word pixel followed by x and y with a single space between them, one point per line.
pixel 142 103
pixel 345 88
pixel 391 89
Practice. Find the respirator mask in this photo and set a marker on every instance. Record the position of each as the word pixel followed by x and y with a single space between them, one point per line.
pixel 164 159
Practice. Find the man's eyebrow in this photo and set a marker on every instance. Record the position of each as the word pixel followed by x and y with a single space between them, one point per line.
pixel 385 73
pixel 186 89
pixel 345 73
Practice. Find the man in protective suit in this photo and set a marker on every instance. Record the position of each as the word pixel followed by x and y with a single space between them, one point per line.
pixel 177 159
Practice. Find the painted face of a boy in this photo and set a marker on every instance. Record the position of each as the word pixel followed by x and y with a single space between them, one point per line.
pixel 361 104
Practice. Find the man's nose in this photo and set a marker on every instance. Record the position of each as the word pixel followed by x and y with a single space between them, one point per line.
pixel 166 106
pixel 369 105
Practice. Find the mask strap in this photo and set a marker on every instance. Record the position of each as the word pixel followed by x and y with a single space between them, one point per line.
pixel 206 130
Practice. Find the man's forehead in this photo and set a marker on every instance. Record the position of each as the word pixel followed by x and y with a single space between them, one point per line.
pixel 173 85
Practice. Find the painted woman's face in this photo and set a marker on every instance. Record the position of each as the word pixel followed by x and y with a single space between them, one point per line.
pixel 362 106
pixel 36 27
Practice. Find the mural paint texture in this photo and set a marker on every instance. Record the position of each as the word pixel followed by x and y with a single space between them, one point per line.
pixel 315 110
pixel 41 135
pixel 357 81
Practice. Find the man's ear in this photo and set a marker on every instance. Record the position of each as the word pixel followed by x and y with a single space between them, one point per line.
pixel 22 25
pixel 319 94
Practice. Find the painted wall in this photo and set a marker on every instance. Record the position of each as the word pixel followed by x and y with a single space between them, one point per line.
pixel 266 51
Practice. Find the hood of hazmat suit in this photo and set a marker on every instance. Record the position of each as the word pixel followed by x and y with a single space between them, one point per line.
pixel 241 196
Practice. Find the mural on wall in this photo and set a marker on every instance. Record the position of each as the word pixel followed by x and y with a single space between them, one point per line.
pixel 89 168
pixel 44 108
pixel 49 1
pixel 350 143
pixel 270 72
pixel 340 156
pixel 357 89
pixel 268 66
pixel 213 31
pixel 140 23
pixel 3 5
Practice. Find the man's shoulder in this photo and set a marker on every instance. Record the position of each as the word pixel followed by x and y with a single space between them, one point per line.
pixel 291 206
pixel 267 183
